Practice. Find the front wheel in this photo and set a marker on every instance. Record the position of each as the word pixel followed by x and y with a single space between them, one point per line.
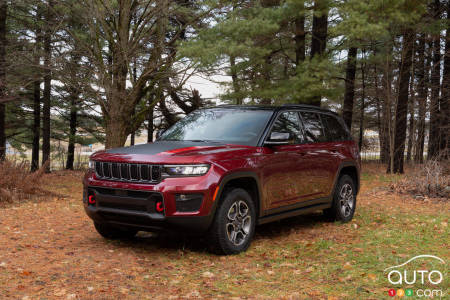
pixel 344 201
pixel 234 224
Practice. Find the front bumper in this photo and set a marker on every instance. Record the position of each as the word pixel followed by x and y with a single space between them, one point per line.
pixel 133 204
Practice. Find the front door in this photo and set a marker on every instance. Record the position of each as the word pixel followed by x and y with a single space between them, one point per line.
pixel 283 170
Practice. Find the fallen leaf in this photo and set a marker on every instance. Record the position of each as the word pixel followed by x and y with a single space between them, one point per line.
pixel 347 266
pixel 208 274
pixel 59 292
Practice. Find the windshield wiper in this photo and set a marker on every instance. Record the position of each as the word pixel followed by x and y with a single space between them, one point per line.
pixel 202 141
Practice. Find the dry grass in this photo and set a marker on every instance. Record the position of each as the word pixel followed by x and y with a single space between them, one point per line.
pixel 16 181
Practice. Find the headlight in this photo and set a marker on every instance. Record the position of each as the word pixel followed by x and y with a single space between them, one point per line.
pixel 185 170
pixel 91 164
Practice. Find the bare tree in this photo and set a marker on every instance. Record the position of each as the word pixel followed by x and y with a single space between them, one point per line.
pixel 119 34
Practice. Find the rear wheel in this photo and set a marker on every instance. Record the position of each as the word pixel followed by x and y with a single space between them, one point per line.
pixel 110 232
pixel 344 201
pixel 234 224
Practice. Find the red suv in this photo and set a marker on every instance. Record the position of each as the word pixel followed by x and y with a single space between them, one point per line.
pixel 221 171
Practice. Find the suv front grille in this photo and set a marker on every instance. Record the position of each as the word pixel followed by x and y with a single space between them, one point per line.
pixel 140 173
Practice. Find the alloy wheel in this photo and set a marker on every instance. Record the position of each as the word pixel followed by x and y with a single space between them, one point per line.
pixel 239 222
pixel 346 200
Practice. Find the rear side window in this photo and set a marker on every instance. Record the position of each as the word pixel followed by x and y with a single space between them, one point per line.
pixel 314 132
pixel 288 122
pixel 334 129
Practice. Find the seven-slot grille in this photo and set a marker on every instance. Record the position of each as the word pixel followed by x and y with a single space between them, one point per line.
pixel 128 172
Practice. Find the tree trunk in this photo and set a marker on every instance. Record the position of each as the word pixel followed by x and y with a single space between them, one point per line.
pixel 3 16
pixel 116 132
pixel 36 124
pixel 433 141
pixel 47 87
pixel 411 107
pixel 150 123
pixel 411 134
pixel 379 112
pixel 349 95
pixel 362 107
pixel 36 98
pixel 402 102
pixel 445 109
pixel 133 134
pixel 386 126
pixel 319 28
pixel 299 39
pixel 235 80
pixel 319 35
pixel 72 130
pixel 421 99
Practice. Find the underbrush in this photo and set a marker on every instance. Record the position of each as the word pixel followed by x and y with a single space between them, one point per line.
pixel 16 181
pixel 431 179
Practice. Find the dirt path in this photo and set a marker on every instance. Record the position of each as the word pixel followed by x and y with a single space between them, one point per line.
pixel 50 250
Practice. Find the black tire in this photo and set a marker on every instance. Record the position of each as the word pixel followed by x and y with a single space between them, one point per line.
pixel 113 233
pixel 343 207
pixel 229 236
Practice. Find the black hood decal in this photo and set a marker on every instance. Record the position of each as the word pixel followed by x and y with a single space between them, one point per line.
pixel 160 146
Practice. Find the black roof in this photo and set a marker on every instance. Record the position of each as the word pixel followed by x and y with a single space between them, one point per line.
pixel 276 107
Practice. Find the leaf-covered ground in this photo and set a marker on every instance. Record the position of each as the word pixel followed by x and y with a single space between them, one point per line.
pixel 50 250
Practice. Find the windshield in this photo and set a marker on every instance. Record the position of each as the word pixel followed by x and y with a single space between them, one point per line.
pixel 233 126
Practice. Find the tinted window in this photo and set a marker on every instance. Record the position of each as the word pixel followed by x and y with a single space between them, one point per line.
pixel 313 127
pixel 334 129
pixel 288 122
pixel 234 126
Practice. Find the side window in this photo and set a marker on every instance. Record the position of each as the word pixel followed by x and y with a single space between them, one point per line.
pixel 334 129
pixel 314 132
pixel 288 122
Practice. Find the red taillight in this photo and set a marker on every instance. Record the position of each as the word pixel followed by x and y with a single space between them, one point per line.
pixel 91 199
pixel 159 206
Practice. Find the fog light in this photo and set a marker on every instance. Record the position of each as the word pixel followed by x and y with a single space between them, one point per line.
pixel 159 206
pixel 91 199
pixel 188 202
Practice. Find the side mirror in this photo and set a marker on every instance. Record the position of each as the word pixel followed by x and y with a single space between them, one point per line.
pixel 278 138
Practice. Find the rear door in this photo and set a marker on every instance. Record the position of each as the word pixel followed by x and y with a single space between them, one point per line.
pixel 319 155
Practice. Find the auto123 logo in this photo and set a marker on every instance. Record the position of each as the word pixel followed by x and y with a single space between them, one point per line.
pixel 420 276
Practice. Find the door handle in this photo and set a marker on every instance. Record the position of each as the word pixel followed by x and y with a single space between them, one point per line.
pixel 302 153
